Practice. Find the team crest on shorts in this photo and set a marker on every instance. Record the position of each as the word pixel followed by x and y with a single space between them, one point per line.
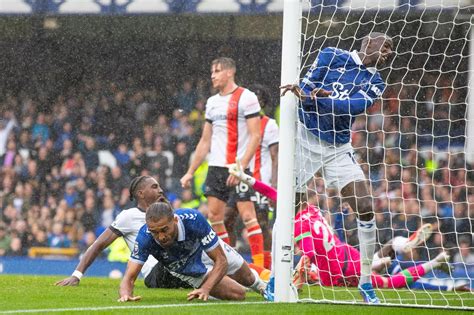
pixel 135 249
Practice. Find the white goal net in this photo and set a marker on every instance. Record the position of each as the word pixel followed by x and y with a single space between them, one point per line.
pixel 415 147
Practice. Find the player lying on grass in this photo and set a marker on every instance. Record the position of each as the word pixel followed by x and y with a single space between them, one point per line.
pixel 145 190
pixel 184 242
pixel 337 262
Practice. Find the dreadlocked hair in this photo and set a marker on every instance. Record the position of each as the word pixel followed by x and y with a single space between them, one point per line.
pixel 135 184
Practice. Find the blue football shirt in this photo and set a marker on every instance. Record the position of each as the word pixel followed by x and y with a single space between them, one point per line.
pixel 354 89
pixel 195 235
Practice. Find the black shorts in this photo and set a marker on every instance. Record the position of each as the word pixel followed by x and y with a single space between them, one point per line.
pixel 159 277
pixel 261 203
pixel 216 186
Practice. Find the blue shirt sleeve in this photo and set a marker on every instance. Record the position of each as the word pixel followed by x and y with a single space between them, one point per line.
pixel 208 237
pixel 315 76
pixel 141 249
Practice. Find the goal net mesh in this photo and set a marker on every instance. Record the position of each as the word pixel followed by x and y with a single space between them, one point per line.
pixel 410 144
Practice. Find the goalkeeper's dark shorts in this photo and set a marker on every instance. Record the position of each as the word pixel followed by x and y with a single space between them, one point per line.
pixel 216 187
pixel 160 278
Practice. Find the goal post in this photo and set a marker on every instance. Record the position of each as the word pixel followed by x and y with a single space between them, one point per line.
pixel 415 146
pixel 290 71
pixel 470 104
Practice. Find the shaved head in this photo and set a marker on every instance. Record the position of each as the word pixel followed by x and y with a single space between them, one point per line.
pixel 374 36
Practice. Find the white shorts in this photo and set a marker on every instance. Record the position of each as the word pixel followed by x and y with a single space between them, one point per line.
pixel 234 263
pixel 335 161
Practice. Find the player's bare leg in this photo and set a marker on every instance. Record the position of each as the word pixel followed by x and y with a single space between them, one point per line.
pixel 400 244
pixel 230 221
pixel 359 198
pixel 249 278
pixel 228 289
pixel 249 217
pixel 216 217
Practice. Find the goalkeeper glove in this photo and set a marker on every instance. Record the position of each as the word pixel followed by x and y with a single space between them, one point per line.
pixel 237 171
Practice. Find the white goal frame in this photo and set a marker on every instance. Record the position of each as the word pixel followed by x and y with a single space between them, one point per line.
pixel 290 72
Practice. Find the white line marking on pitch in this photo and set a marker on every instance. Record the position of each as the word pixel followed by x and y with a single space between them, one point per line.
pixel 105 308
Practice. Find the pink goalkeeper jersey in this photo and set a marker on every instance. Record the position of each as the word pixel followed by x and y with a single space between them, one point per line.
pixel 337 261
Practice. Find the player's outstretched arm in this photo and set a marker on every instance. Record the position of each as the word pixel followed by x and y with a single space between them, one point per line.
pixel 202 149
pixel 299 93
pixel 128 282
pixel 293 88
pixel 237 171
pixel 104 240
pixel 214 276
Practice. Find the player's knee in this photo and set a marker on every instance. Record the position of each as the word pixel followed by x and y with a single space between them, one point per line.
pixel 248 217
pixel 234 293
pixel 238 295
pixel 215 217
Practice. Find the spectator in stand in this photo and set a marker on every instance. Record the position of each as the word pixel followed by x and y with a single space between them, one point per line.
pixel 44 163
pixel 180 165
pixel 7 123
pixel 118 181
pixel 464 259
pixel 188 201
pixel 158 163
pixel 16 248
pixel 148 138
pixel 138 158
pixel 40 238
pixel 187 97
pixel 5 239
pixel 89 218
pixel 108 212
pixel 71 195
pixel 40 130
pixel 21 231
pixel 10 154
pixel 66 133
pixel 91 156
pixel 57 237
pixel 122 156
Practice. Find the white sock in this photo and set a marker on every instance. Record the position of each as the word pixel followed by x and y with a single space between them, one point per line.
pixel 435 262
pixel 430 265
pixel 258 283
pixel 376 260
pixel 398 243
pixel 367 236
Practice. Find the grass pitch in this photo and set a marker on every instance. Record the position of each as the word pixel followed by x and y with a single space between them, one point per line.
pixel 37 295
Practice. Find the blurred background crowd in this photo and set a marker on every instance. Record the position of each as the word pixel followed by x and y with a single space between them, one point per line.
pixel 66 164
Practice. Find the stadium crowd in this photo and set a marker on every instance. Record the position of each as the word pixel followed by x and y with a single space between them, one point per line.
pixel 66 162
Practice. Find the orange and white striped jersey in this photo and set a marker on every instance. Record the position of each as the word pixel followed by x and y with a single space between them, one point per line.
pixel 228 115
pixel 262 166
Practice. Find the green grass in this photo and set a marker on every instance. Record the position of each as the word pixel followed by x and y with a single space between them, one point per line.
pixel 28 293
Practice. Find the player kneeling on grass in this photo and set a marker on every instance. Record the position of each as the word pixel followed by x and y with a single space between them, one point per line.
pixel 187 246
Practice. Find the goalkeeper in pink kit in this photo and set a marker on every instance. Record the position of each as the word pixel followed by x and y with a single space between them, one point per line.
pixel 338 263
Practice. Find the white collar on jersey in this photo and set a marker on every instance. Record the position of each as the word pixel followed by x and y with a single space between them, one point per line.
pixel 355 56
pixel 181 232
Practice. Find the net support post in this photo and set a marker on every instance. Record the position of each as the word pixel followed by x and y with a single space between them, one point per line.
pixel 290 64
pixel 469 146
